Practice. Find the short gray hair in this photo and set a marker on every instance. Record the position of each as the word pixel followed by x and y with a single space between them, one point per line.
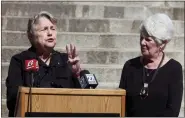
pixel 34 21
pixel 159 26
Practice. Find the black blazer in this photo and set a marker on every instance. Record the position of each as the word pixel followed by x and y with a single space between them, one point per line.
pixel 57 74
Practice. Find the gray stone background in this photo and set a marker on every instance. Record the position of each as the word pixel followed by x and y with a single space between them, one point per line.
pixel 106 34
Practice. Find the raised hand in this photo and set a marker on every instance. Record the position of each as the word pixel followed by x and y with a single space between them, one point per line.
pixel 73 58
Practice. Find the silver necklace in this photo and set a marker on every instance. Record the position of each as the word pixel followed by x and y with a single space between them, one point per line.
pixel 145 90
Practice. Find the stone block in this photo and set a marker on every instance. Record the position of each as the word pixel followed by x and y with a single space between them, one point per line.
pixel 179 28
pixel 80 40
pixel 119 3
pixel 16 24
pixel 178 14
pixel 20 24
pixel 136 13
pixel 107 75
pixel 124 26
pixel 88 25
pixel 132 26
pixel 14 39
pixel 3 23
pixel 109 57
pixel 4 110
pixel 166 10
pixel 173 13
pixel 93 9
pixel 114 12
pixel 176 4
pixel 179 56
pixel 89 11
pixel 110 85
pixel 62 25
pixel 98 56
pixel 87 56
pixel 58 9
pixel 3 90
pixel 91 40
pixel 4 72
pixel 141 13
pixel 9 53
pixel 178 43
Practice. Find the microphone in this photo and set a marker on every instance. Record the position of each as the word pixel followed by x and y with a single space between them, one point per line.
pixel 87 80
pixel 31 66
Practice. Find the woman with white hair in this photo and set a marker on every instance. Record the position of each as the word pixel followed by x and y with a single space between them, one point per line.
pixel 56 70
pixel 153 82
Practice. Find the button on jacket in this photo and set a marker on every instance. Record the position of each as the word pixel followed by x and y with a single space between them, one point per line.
pixel 58 74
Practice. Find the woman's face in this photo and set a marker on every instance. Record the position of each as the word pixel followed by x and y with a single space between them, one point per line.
pixel 45 34
pixel 149 47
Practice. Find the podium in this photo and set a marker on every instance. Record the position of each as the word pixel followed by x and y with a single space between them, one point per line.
pixel 74 102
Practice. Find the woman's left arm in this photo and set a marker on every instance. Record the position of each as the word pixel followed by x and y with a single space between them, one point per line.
pixel 175 92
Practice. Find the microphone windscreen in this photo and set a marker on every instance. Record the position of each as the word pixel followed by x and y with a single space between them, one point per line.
pixel 83 72
pixel 87 80
pixel 31 65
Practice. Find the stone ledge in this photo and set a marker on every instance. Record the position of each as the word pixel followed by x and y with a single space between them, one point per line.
pixel 98 11
pixel 89 40
pixel 97 55
pixel 88 25
pixel 109 3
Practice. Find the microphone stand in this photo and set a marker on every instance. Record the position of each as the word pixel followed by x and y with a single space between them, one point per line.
pixel 29 107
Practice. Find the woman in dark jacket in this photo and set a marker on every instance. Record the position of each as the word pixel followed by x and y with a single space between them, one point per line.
pixel 153 81
pixel 59 70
